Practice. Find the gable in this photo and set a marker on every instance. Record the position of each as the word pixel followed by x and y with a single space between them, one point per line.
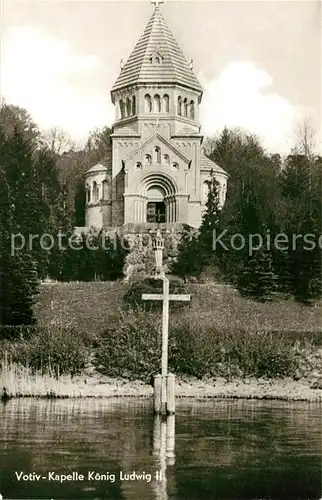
pixel 156 140
pixel 156 57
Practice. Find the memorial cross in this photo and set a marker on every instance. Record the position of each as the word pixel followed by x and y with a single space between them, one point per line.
pixel 166 297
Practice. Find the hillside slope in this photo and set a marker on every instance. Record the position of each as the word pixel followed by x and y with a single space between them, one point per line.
pixel 90 306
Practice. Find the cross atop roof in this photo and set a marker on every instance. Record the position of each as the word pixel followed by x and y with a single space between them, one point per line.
pixel 157 3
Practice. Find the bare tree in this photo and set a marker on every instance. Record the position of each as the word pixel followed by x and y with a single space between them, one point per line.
pixel 305 139
pixel 209 145
pixel 58 140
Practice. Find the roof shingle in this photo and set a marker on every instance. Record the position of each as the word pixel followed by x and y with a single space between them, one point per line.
pixel 208 164
pixel 173 68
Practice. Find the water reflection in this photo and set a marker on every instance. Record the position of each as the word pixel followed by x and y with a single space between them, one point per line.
pixel 209 451
pixel 163 450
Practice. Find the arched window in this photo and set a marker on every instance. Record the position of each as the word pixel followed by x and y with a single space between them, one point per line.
pixel 157 103
pixel 166 159
pixel 147 103
pixel 128 107
pixel 220 193
pixel 205 191
pixel 179 106
pixel 157 154
pixel 105 189
pixel 95 192
pixel 157 60
pixel 185 107
pixel 175 166
pixel 147 160
pixel 224 192
pixel 133 105
pixel 122 110
pixel 138 165
pixel 192 110
pixel 166 103
pixel 88 193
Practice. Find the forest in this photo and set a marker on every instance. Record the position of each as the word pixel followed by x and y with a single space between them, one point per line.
pixel 42 192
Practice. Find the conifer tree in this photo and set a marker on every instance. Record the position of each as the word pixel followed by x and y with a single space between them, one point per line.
pixel 210 223
pixel 18 272
pixel 195 252
pixel 301 195
pixel 188 262
pixel 257 278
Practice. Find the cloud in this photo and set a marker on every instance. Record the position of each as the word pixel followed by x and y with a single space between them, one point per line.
pixel 239 98
pixel 41 73
pixel 59 87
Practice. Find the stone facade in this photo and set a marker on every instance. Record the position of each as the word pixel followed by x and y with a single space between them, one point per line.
pixel 159 172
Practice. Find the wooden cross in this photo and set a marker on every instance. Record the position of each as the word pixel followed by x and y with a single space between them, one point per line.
pixel 166 297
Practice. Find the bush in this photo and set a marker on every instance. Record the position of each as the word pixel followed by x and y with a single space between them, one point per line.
pixel 132 299
pixel 132 349
pixel 192 351
pixel 49 350
pixel 206 352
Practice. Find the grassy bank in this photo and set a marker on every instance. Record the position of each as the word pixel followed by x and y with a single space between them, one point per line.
pixel 91 306
pixel 58 362
pixel 222 345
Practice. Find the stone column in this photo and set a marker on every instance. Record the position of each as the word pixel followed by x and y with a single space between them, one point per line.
pixel 144 202
pixel 168 204
pixel 173 201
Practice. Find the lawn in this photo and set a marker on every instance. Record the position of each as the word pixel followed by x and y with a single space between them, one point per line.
pixel 93 305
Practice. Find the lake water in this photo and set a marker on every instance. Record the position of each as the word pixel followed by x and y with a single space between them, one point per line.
pixel 234 450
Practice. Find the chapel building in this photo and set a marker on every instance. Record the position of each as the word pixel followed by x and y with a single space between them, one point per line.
pixel 159 172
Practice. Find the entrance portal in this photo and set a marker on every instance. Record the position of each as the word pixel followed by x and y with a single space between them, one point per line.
pixel 156 211
pixel 159 198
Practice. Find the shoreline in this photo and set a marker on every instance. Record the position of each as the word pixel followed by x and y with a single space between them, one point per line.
pixel 186 388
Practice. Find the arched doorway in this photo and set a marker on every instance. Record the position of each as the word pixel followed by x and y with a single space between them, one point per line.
pixel 156 199
pixel 156 207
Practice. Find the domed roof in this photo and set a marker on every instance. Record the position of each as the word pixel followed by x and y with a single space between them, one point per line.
pixel 97 168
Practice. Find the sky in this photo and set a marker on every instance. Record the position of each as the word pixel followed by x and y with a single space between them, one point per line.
pixel 259 62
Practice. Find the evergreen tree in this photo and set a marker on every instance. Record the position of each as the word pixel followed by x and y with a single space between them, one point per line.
pixel 300 184
pixel 19 288
pixel 18 274
pixel 282 259
pixel 210 224
pixel 115 255
pixel 188 262
pixel 88 257
pixel 80 199
pixel 195 252
pixel 251 196
pixel 257 278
